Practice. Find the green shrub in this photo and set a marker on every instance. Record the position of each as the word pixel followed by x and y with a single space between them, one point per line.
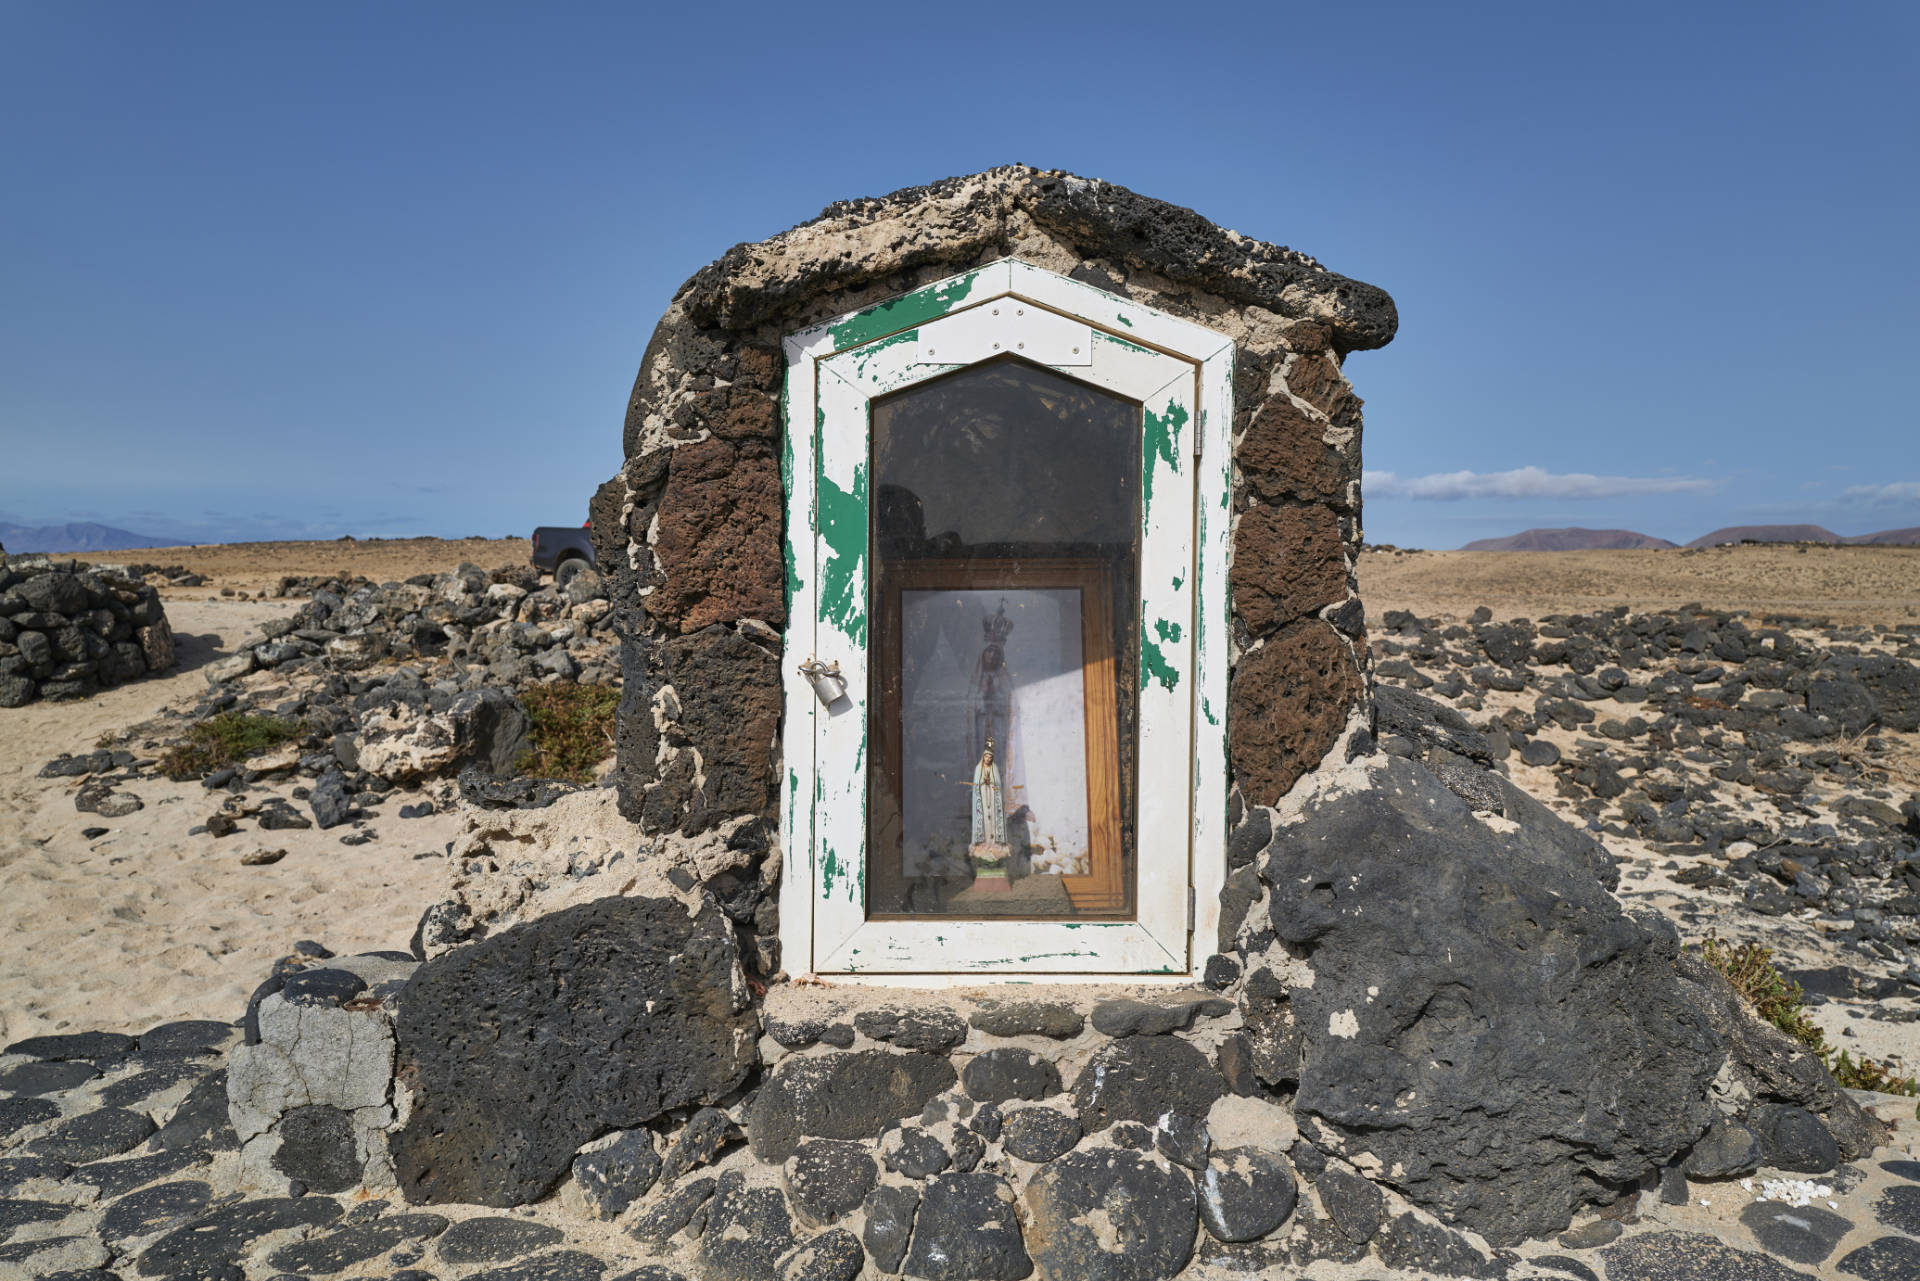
pixel 572 730
pixel 1781 1002
pixel 226 739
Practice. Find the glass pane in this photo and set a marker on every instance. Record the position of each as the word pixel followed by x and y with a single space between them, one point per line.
pixel 1005 663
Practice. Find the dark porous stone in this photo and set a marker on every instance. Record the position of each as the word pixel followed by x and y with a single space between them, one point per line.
pixel 144 1085
pixel 116 1177
pixel 1429 1036
pixel 1183 1139
pixel 1888 1259
pixel 912 1151
pixel 1429 723
pixel 495 1239
pixel 1273 740
pixel 730 704
pixel 1673 1186
pixel 890 1214
pixel 797 1034
pixel 20 1213
pixel 322 987
pixel 967 1230
pixel 700 1140
pixel 1126 1017
pixel 1405 1242
pixel 317 1149
pixel 672 1213
pixel 340 1249
pixel 1725 1151
pixel 101 1046
pixel 718 536
pixel 1142 1079
pixel 1148 1210
pixel 1560 1263
pixel 748 1230
pixel 1029 1018
pixel 1803 1234
pixel 1540 752
pixel 1794 1139
pixel 968 1149
pixel 1690 1256
pixel 650 1272
pixel 17 1114
pixel 1899 1208
pixel 47 1076
pixel 1287 563
pixel 1038 1134
pixel 213 1241
pixel 39 1257
pixel 561 1265
pixel 17 1171
pixel 826 1179
pixel 1245 1193
pixel 200 1123
pixel 615 1171
pixel 1132 1135
pixel 841 1096
pixel 832 1256
pixel 92 1135
pixel 147 1211
pixel 1909 1170
pixel 530 1043
pixel 1355 1205
pixel 1009 1073
pixel 929 1029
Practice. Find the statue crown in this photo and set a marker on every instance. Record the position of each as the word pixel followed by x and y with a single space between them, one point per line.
pixel 996 626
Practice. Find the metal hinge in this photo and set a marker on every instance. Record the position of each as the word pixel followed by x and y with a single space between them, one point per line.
pixel 1189 909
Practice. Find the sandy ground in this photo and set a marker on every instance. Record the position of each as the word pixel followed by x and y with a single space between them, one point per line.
pixel 147 923
pixel 1845 584
pixel 254 567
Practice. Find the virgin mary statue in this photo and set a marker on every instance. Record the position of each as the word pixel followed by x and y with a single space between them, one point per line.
pixel 987 842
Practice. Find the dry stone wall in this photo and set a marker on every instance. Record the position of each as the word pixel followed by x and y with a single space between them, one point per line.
pixel 69 630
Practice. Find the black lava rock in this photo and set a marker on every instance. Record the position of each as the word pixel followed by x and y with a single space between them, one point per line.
pixel 208 1244
pixel 675 1210
pixel 700 1140
pixel 747 1231
pixel 1803 1234
pixel 1141 1079
pixel 967 1230
pixel 495 1239
pixel 619 1010
pixel 317 1149
pixel 352 1243
pixel 827 1179
pixel 1007 1072
pixel 1148 1208
pixel 931 1030
pixel 1029 1018
pixel 147 1211
pixel 1355 1205
pixel 834 1255
pixel 841 1096
pixel 913 1152
pixel 1038 1134
pixel 92 1135
pixel 1794 1139
pixel 615 1171
pixel 1245 1193
pixel 890 1213
pixel 1691 1256
pixel 1726 1151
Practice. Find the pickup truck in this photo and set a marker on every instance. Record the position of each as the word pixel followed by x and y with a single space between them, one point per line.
pixel 564 550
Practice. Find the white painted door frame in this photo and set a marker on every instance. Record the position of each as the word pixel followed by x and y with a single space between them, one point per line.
pixel 1182 375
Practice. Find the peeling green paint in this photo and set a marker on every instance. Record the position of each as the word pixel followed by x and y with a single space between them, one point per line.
pixel 842 525
pixel 1178 582
pixel 1101 335
pixel 1206 709
pixel 1122 318
pixel 1154 666
pixel 1169 632
pixel 903 312
pixel 1161 436
pixel 865 355
pixel 830 870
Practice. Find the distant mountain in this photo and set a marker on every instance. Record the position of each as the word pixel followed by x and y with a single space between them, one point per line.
pixel 1767 534
pixel 83 537
pixel 1566 540
pixel 1889 538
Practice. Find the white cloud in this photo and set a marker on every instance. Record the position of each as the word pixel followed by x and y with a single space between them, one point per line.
pixel 1522 482
pixel 1899 491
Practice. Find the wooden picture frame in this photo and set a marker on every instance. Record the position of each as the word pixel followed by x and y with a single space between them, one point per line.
pixel 1103 890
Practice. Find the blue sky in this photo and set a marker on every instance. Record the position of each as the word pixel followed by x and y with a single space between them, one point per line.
pixel 300 271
